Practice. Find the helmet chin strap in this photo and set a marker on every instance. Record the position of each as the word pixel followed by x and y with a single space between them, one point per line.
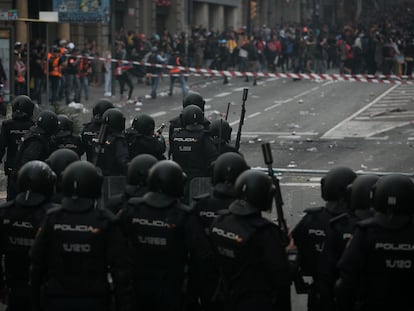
pixel 26 197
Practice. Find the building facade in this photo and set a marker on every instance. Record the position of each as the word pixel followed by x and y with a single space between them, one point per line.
pixel 154 16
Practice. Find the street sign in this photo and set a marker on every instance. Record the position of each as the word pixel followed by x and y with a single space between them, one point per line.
pixel 82 11
pixel 9 15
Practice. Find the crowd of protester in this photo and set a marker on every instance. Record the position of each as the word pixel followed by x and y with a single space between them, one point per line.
pixel 380 42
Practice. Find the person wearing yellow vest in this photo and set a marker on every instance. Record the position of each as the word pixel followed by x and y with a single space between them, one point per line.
pixel 55 74
pixel 176 74
pixel 19 76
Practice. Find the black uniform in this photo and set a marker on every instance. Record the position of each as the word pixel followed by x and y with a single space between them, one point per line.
pixel 11 135
pixel 165 235
pixel 376 269
pixel 116 202
pixel 145 144
pixel 338 234
pixel 309 236
pixel 377 266
pixel 89 134
pixel 36 145
pixel 252 257
pixel 194 150
pixel 113 158
pixel 76 248
pixel 176 125
pixel 66 140
pixel 19 222
pixel 207 206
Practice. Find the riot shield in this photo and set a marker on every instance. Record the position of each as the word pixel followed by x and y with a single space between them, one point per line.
pixel 111 186
pixel 199 185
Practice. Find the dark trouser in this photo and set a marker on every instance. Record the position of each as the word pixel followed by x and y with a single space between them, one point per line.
pixel 154 85
pixel 19 299
pixel 124 79
pixel 253 301
pixel 11 186
pixel 39 83
pixel 159 295
pixel 76 303
pixel 54 88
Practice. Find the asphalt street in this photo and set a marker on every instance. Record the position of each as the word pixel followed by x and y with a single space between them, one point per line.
pixel 312 126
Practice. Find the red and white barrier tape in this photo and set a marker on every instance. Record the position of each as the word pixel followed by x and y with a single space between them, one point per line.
pixel 203 72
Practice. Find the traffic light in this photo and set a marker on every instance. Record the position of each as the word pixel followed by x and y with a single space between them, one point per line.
pixel 253 4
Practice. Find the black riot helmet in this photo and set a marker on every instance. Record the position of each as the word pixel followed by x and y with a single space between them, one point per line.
pixel 82 179
pixel 22 107
pixel 359 192
pixel 47 121
pixel 395 194
pixel 228 167
pixel 36 176
pixel 194 98
pixel 193 118
pixel 60 159
pixel 167 177
pixel 256 189
pixel 138 169
pixel 114 119
pixel 144 124
pixel 220 130
pixel 335 183
pixel 100 107
pixel 65 124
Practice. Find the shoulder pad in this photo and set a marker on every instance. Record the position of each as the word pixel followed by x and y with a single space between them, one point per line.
pixel 367 222
pixel 105 213
pixel 7 204
pixel 313 210
pixel 135 201
pixel 223 212
pixel 339 218
pixel 184 207
pixel 261 222
pixel 201 197
pixel 51 205
pixel 53 210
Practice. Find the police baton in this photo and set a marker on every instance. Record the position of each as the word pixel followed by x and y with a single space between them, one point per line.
pixel 242 114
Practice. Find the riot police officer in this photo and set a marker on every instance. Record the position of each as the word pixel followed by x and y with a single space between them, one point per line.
pixel 38 144
pixel 220 131
pixel 76 247
pixel 250 248
pixel 136 183
pixel 142 139
pixel 309 234
pixel 376 269
pixel 64 137
pixel 338 234
pixel 207 207
pixel 91 129
pixel 192 147
pixel 112 152
pixel 11 134
pixel 164 235
pixel 227 168
pixel 176 124
pixel 19 221
pixel 58 161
